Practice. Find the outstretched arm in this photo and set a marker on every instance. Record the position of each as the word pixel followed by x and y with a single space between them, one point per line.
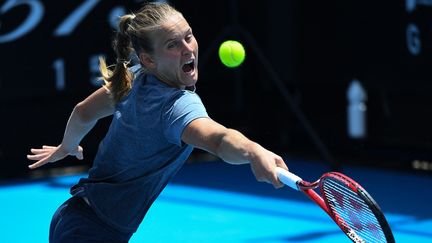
pixel 83 118
pixel 233 147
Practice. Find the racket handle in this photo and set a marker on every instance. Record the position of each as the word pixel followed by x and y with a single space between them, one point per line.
pixel 288 178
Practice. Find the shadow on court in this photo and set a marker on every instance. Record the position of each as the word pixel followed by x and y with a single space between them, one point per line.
pixel 216 202
pixel 394 191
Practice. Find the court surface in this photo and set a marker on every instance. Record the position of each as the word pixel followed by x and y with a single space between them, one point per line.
pixel 217 202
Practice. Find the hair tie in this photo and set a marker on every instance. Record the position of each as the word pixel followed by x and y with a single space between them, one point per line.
pixel 124 61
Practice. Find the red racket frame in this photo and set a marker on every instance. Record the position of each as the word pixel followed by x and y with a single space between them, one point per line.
pixel 308 189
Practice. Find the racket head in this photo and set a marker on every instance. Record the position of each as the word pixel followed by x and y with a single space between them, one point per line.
pixel 353 209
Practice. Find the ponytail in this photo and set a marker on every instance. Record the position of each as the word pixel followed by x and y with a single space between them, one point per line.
pixel 119 79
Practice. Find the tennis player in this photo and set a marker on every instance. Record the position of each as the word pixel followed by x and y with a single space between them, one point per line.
pixel 157 121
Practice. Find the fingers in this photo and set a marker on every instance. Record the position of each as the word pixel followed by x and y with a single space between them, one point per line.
pixel 274 179
pixel 281 164
pixel 49 154
pixel 38 164
pixel 37 156
pixel 276 182
pixel 41 160
pixel 43 156
pixel 38 151
pixel 268 175
pixel 44 149
pixel 48 147
pixel 278 185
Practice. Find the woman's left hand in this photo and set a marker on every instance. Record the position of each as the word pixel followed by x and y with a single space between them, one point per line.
pixel 50 154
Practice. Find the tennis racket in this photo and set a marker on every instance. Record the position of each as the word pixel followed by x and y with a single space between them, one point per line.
pixel 347 203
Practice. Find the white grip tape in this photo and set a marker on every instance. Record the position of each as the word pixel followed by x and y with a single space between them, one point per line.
pixel 288 178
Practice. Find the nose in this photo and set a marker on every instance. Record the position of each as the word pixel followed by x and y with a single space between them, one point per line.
pixel 187 47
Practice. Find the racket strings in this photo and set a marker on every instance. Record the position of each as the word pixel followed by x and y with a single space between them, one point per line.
pixel 353 212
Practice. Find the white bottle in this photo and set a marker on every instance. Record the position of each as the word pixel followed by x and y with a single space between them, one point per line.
pixel 357 97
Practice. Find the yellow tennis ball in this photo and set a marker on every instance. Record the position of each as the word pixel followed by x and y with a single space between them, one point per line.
pixel 232 53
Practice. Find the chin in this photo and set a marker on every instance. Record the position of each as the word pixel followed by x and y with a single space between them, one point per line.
pixel 188 84
pixel 189 81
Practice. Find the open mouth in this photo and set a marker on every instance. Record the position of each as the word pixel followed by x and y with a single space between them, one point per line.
pixel 189 66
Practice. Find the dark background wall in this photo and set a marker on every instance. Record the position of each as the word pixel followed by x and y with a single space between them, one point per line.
pixel 315 49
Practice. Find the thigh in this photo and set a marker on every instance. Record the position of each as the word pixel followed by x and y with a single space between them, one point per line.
pixel 56 218
pixel 75 221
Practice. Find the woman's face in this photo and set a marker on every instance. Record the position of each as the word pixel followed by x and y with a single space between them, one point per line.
pixel 175 57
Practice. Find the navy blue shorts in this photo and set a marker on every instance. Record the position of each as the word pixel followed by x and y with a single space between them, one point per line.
pixel 75 221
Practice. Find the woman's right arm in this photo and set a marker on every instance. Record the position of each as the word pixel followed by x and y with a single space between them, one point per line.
pixel 83 118
pixel 235 148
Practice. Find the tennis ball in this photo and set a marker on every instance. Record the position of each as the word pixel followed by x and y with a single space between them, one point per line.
pixel 231 53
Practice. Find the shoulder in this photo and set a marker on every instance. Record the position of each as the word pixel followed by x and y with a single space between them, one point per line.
pixel 186 97
pixel 184 101
pixel 135 69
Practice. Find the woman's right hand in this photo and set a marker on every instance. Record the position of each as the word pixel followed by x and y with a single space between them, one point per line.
pixel 50 154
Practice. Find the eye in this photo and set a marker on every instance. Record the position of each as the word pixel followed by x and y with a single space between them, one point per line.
pixel 172 44
pixel 189 38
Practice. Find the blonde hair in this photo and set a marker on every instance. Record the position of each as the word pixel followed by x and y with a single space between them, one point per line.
pixel 133 38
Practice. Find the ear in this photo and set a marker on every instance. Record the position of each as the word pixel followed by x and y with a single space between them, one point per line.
pixel 147 60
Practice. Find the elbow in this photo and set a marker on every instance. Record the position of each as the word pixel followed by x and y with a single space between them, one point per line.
pixel 82 115
pixel 216 146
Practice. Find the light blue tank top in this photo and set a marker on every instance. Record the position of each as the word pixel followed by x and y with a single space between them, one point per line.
pixel 141 152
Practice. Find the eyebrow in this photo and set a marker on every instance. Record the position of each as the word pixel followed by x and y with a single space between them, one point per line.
pixel 188 31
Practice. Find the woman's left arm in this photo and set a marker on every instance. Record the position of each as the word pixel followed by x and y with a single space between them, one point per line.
pixel 83 118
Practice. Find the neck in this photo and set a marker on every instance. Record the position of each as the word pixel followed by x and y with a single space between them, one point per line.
pixel 169 83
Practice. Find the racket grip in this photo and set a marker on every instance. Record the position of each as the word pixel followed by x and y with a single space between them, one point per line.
pixel 288 178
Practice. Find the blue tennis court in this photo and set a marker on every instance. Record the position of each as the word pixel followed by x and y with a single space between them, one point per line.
pixel 199 206
pixel 320 80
